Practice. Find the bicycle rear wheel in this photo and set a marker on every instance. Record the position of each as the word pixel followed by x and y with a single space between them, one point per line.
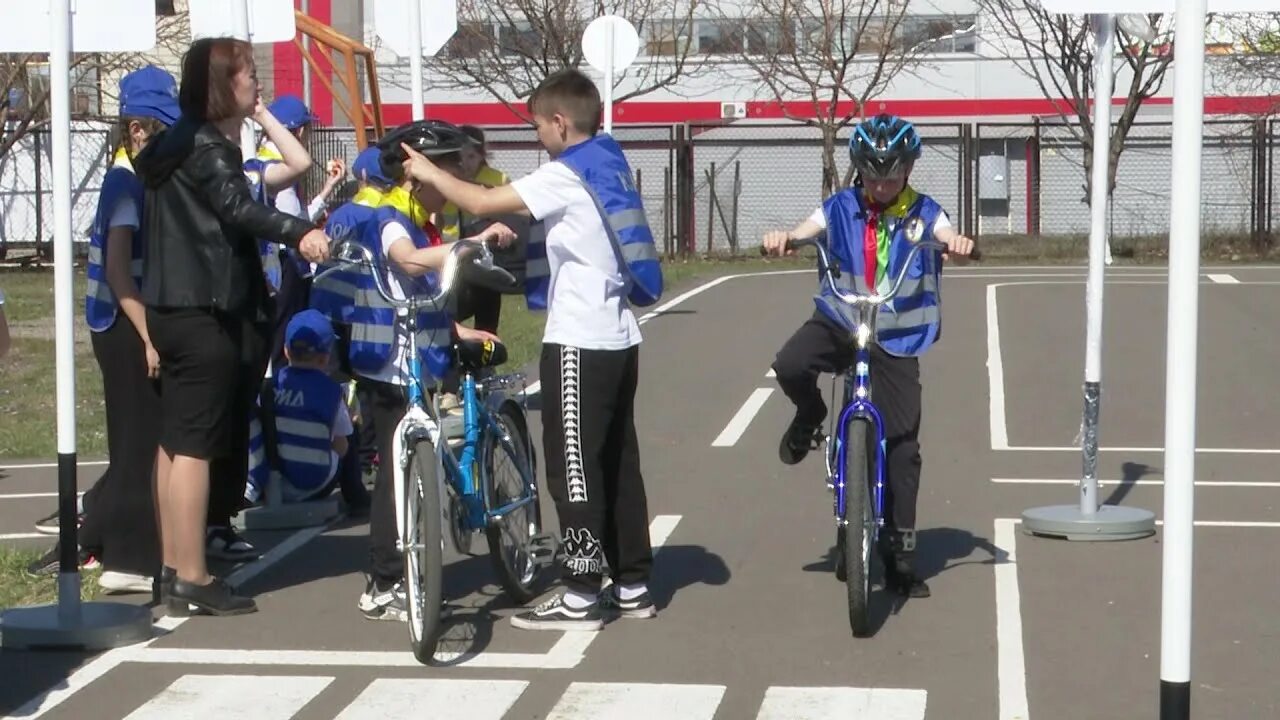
pixel 423 553
pixel 858 534
pixel 510 476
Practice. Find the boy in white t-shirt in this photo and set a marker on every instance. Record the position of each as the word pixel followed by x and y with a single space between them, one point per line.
pixel 590 359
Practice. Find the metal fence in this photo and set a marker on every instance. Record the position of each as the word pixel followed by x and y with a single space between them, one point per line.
pixel 717 188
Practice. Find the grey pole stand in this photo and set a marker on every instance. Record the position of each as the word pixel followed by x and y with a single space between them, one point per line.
pixel 1087 520
pixel 70 624
pixel 276 514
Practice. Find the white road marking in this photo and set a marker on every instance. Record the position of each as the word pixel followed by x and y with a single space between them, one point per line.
pixel 1011 664
pixel 1224 279
pixel 995 374
pixel 25 536
pixel 739 422
pixel 30 495
pixel 1067 481
pixel 207 696
pixel 46 465
pixel 771 374
pixel 1232 524
pixel 637 701
pixel 107 661
pixel 847 703
pixel 435 699
pixel 995 381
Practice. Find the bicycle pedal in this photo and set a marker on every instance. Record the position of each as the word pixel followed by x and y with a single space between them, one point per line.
pixel 543 548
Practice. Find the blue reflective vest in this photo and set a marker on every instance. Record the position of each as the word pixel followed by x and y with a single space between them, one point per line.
pixel 909 324
pixel 255 170
pixel 351 296
pixel 100 304
pixel 335 293
pixel 605 173
pixel 306 402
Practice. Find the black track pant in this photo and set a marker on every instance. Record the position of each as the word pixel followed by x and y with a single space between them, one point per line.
pixel 822 346
pixel 593 464
pixel 120 520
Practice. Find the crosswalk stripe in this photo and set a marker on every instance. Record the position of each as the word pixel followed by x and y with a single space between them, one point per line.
pixel 271 697
pixel 430 699
pixel 847 703
pixel 637 701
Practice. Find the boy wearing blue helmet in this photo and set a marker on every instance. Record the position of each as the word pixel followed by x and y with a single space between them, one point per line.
pixel 863 225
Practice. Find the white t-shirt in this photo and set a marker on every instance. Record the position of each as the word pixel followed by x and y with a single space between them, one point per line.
pixel 397 370
pixel 587 301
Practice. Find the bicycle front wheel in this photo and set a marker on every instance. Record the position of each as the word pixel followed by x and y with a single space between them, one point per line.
pixel 857 534
pixel 423 554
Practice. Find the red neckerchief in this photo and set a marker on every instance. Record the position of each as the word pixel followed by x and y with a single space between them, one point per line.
pixel 871 246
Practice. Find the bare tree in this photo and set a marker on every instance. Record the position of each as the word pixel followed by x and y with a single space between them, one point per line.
pixel 24 105
pixel 1255 67
pixel 1057 51
pixel 822 60
pixel 506 48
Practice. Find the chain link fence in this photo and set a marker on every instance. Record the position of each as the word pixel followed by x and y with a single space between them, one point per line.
pixel 717 188
pixel 26 188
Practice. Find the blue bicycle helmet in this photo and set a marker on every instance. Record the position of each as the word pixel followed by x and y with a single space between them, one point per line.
pixel 883 145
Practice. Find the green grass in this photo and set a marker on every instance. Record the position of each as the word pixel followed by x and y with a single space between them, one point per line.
pixel 28 382
pixel 18 588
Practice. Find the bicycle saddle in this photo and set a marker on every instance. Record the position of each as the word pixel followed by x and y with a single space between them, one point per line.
pixel 479 354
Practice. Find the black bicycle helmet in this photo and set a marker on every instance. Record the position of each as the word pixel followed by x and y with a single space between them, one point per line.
pixel 432 138
pixel 883 145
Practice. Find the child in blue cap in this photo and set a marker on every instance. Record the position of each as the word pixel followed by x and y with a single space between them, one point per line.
pixel 312 421
pixel 119 525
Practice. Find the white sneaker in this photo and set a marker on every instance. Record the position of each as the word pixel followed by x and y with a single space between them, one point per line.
pixel 122 582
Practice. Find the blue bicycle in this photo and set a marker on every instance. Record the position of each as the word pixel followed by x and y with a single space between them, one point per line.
pixel 445 467
pixel 855 447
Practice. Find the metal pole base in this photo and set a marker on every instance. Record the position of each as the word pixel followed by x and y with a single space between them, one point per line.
pixel 101 626
pixel 1111 522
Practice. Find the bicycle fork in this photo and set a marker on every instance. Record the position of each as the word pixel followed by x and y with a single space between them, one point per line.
pixel 858 406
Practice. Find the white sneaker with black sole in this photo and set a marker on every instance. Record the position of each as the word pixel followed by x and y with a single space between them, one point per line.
pixel 114 581
pixel 384 604
pixel 640 607
pixel 554 614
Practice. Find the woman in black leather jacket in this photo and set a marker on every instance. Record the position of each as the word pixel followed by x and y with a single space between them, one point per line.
pixel 207 305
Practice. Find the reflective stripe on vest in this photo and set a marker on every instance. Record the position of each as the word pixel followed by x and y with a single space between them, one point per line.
pixel 306 402
pixel 603 169
pixel 375 324
pixel 259 473
pixel 101 307
pixel 912 322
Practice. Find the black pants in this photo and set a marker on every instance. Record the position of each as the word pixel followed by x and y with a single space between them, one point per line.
pixel 482 303
pixel 386 404
pixel 229 474
pixel 120 521
pixel 293 297
pixel 822 346
pixel 593 464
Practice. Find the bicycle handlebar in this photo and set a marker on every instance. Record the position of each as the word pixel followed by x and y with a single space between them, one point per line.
pixel 346 252
pixel 829 273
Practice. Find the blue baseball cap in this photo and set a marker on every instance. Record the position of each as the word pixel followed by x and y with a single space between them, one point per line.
pixel 291 112
pixel 368 167
pixel 309 331
pixel 150 92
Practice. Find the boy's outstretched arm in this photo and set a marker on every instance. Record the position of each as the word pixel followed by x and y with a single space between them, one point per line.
pixel 472 198
pixel 959 245
pixel 775 242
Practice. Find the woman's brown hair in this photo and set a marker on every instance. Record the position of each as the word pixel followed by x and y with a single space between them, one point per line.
pixel 208 70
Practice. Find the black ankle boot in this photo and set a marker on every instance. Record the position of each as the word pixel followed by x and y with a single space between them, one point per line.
pixel 898 554
pixel 216 598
